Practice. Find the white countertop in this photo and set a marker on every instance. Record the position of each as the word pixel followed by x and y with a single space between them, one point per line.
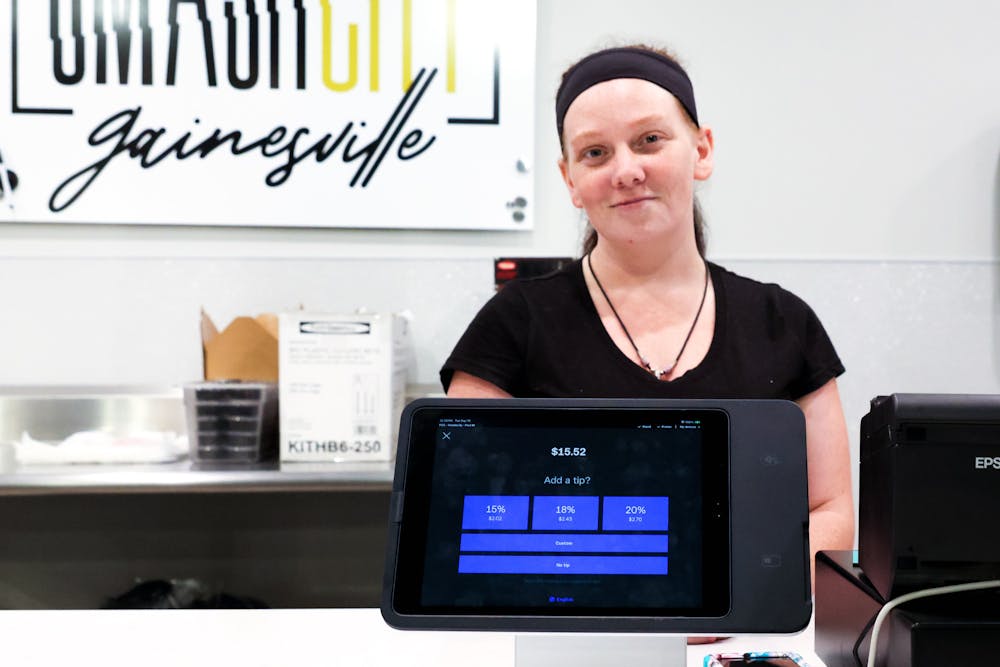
pixel 276 638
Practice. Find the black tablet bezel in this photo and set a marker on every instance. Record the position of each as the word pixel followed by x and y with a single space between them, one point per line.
pixel 769 553
pixel 714 522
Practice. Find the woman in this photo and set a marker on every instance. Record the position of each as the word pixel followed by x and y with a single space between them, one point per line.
pixel 643 314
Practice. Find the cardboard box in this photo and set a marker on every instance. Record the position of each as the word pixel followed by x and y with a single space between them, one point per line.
pixel 342 385
pixel 247 349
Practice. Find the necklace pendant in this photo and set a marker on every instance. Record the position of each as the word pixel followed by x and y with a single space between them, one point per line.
pixel 659 373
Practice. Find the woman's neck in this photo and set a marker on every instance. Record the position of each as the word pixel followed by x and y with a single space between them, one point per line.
pixel 631 266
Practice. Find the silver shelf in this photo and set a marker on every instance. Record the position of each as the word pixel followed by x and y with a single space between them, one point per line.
pixel 182 477
pixel 52 413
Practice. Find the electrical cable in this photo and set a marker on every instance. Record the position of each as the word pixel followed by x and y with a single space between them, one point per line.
pixel 927 592
pixel 861 638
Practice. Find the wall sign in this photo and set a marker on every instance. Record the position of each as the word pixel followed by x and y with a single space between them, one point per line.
pixel 315 113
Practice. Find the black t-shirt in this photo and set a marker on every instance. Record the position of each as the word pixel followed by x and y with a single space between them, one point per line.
pixel 542 337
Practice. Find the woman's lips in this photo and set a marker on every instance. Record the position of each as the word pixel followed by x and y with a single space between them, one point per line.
pixel 631 202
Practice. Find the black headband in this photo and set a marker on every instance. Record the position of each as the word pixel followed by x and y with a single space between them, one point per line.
pixel 625 63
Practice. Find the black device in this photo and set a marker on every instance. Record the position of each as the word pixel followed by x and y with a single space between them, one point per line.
pixel 957 629
pixel 929 489
pixel 506 269
pixel 599 515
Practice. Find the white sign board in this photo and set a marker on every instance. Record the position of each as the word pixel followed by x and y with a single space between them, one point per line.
pixel 315 113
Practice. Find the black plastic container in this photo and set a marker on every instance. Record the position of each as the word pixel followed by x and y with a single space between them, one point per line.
pixel 232 422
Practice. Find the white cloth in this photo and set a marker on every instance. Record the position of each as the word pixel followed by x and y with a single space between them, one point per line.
pixel 102 447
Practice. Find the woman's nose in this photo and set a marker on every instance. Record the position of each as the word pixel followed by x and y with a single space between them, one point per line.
pixel 628 170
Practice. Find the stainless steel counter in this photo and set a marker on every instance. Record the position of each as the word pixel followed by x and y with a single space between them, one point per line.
pixel 181 477
pixel 54 413
pixel 78 535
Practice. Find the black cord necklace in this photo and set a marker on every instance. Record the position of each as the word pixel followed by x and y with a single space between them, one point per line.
pixel 657 373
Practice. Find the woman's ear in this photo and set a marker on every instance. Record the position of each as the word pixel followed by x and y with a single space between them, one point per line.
pixel 568 180
pixel 705 146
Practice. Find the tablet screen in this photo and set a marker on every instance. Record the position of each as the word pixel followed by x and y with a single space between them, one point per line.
pixel 591 512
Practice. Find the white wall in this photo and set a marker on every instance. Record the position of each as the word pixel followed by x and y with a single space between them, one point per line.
pixel 844 129
pixel 858 163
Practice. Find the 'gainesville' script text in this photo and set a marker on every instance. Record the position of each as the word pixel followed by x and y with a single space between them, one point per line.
pixel 117 130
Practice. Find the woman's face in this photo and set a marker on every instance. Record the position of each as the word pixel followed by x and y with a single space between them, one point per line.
pixel 631 158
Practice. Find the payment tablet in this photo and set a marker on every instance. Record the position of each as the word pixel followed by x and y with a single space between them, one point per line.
pixel 599 515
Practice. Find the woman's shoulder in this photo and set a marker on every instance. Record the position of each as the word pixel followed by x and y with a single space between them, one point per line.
pixel 740 289
pixel 766 307
pixel 557 284
pixel 767 313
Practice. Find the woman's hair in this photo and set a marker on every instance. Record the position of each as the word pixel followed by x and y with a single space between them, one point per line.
pixel 590 235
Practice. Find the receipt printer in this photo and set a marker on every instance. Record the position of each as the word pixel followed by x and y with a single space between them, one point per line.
pixel 929 491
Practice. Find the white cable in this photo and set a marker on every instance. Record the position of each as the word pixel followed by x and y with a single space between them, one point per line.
pixel 927 592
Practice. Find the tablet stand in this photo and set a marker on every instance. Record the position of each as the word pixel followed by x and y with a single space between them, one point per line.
pixel 588 650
